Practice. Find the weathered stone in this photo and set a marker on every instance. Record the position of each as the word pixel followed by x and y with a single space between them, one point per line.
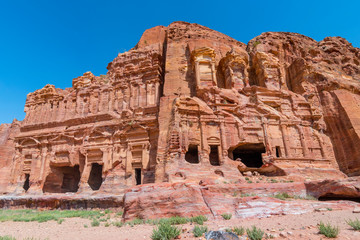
pixel 221 235
pixel 335 189
pixel 189 104
pixel 167 200
pixel 187 200
pixel 356 210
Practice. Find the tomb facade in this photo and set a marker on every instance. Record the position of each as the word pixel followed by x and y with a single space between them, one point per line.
pixel 188 103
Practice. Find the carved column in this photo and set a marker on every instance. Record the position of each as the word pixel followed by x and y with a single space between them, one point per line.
pixel 265 128
pixel 110 157
pixel 148 86
pixel 43 160
pixel 241 132
pixel 197 72
pixel 145 156
pixel 35 115
pixel 204 143
pixel 285 139
pixel 105 158
pixel 55 110
pixel 131 100
pixel 104 101
pixel 322 146
pixel 116 99
pixel 86 104
pixel 157 92
pixel 78 105
pixel 213 72
pixel 28 115
pixel 111 100
pixel 128 168
pixel 303 142
pixel 224 146
pixel 61 112
pixel 127 97
pixel 85 174
pixel 45 112
pixel 142 95
pixel 68 108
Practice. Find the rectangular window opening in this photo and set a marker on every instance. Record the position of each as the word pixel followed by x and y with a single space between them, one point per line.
pixel 278 151
pixel 214 155
pixel 138 176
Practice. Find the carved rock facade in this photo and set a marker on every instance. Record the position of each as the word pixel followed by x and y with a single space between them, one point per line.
pixel 188 104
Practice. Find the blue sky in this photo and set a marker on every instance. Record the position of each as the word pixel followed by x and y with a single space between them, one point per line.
pixel 55 41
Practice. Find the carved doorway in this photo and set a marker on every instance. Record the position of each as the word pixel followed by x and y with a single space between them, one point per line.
pixel 249 154
pixel 214 155
pixel 95 178
pixel 27 182
pixel 138 176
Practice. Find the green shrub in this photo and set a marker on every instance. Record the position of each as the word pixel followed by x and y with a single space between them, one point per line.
pixel 107 211
pixel 60 221
pixel 119 214
pixel 198 231
pixel 238 230
pixel 282 196
pixel 307 197
pixel 226 216
pixel 107 224
pixel 254 233
pixel 118 224
pixel 95 223
pixel 247 195
pixel 7 237
pixel 256 43
pixel 165 232
pixel 85 226
pixel 177 220
pixel 199 219
pixel 328 230
pixel 355 224
pixel 29 215
pixel 136 221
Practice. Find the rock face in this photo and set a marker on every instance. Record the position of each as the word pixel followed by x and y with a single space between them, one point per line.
pixel 189 103
pixel 187 200
pixel 7 150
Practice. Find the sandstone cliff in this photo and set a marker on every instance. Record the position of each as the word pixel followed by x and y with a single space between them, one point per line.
pixel 188 103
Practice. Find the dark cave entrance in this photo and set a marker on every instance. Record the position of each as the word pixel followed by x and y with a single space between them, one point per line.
pixel 26 185
pixel 192 155
pixel 138 176
pixel 71 179
pixel 331 197
pixel 278 151
pixel 214 155
pixel 95 178
pixel 62 180
pixel 249 154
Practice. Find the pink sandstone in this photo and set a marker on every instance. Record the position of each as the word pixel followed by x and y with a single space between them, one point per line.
pixel 189 104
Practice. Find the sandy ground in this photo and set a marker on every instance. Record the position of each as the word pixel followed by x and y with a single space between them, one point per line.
pixel 282 227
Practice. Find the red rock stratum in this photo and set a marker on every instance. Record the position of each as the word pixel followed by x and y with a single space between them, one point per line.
pixel 189 104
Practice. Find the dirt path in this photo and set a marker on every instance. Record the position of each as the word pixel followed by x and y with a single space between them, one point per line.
pixel 290 226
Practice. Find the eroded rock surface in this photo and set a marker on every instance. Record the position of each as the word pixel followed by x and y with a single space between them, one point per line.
pixel 188 200
pixel 186 104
